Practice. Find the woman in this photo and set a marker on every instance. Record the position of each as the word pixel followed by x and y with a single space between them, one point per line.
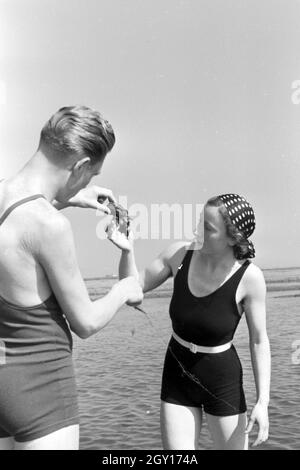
pixel 213 286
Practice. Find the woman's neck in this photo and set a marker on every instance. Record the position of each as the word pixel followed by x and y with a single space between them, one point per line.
pixel 216 261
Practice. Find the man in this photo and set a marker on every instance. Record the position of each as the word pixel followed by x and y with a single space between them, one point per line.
pixel 42 293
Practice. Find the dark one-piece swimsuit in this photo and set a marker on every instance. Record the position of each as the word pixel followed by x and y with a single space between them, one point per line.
pixel 37 386
pixel 212 381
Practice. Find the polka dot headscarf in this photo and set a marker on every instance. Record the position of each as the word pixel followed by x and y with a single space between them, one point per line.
pixel 242 216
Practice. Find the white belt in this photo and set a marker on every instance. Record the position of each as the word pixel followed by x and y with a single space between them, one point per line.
pixel 203 349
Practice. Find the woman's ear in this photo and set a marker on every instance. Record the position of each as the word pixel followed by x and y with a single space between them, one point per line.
pixel 231 241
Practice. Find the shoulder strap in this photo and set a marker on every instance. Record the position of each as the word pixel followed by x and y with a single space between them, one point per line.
pixel 17 204
pixel 235 279
pixel 183 267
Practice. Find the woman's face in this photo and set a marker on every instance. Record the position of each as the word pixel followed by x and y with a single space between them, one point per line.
pixel 215 238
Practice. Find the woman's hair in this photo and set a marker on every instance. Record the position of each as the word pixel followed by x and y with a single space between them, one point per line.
pixel 80 131
pixel 243 247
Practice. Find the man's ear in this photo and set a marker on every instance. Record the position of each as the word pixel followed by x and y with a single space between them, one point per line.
pixel 81 164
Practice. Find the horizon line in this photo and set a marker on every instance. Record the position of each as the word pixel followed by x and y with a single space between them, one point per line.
pixel 113 276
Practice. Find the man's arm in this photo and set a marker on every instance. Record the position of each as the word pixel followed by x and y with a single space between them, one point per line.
pixel 56 254
pixel 87 198
pixel 59 205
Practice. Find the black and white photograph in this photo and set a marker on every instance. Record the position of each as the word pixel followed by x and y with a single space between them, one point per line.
pixel 149 227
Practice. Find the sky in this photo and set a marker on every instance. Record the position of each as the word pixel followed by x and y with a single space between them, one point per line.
pixel 199 93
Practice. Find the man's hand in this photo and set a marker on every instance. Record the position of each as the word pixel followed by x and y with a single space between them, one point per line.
pixel 259 414
pixel 87 198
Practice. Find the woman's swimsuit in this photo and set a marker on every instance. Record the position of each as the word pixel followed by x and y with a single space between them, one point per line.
pixel 212 381
pixel 37 386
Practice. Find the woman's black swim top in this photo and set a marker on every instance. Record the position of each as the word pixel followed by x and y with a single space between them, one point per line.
pixel 210 320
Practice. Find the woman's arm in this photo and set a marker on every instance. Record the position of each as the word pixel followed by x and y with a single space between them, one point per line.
pixel 255 310
pixel 127 265
pixel 153 275
pixel 162 267
pixel 157 272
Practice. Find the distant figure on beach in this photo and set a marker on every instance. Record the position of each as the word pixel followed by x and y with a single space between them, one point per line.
pixel 214 284
pixel 42 293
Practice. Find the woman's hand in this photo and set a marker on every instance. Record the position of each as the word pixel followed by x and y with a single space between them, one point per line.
pixel 87 198
pixel 259 414
pixel 119 239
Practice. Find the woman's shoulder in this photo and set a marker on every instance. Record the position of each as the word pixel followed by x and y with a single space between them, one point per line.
pixel 253 277
pixel 177 248
pixel 175 252
pixel 254 269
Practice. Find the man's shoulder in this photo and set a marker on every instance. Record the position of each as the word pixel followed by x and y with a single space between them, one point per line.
pixel 47 220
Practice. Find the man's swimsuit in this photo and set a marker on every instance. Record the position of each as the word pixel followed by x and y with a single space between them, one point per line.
pixel 37 386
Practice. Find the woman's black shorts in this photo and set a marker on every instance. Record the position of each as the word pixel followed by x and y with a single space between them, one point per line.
pixel 212 381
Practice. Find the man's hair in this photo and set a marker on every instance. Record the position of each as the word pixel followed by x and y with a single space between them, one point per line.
pixel 80 131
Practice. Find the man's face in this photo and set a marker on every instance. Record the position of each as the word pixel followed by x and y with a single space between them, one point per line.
pixel 81 175
pixel 89 172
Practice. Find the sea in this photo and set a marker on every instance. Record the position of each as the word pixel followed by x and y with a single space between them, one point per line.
pixel 119 369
